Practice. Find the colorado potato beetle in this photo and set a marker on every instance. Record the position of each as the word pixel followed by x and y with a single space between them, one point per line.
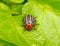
pixel 29 22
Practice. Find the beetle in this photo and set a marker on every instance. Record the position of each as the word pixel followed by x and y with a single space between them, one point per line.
pixel 29 22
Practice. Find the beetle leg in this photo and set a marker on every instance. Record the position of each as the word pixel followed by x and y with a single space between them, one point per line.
pixel 35 17
pixel 35 28
pixel 22 20
pixel 21 25
pixel 36 24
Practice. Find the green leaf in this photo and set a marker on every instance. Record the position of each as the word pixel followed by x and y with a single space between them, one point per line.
pixel 6 1
pixel 4 43
pixel 16 9
pixel 17 1
pixel 46 34
pixel 55 4
pixel 3 7
pixel 8 29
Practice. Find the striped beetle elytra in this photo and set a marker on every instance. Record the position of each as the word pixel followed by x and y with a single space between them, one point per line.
pixel 29 22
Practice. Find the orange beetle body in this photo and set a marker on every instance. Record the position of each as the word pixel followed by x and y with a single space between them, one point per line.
pixel 29 22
